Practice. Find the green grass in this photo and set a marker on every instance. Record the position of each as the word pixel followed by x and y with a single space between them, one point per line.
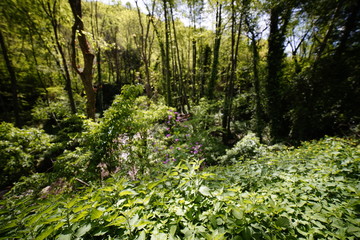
pixel 311 192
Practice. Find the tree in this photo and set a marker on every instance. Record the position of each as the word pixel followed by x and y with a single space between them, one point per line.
pixel 236 29
pixel 14 86
pixel 216 51
pixel 85 73
pixel 51 11
pixel 280 14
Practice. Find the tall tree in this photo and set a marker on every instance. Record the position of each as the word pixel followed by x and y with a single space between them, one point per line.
pixel 14 86
pixel 236 28
pixel 85 73
pixel 166 66
pixel 145 49
pixel 216 52
pixel 51 11
pixel 280 14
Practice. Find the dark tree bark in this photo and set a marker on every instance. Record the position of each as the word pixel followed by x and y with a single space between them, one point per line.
pixel 14 86
pixel 86 73
pixel 350 26
pixel 279 19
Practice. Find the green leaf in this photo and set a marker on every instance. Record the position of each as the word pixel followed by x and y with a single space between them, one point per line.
pixel 83 230
pixel 107 189
pixel 45 233
pixel 64 236
pixel 154 184
pixel 80 216
pixel 118 221
pixel 53 219
pixel 283 222
pixel 204 190
pixel 95 214
pixel 142 236
pixel 238 213
pixel 127 192
pixel 354 230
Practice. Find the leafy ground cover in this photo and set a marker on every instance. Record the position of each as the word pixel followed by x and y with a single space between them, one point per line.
pixel 310 192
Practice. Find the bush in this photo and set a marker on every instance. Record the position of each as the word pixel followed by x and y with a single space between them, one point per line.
pixel 248 147
pixel 21 151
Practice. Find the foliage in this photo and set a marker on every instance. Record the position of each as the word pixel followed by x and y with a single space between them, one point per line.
pixel 51 110
pixel 21 151
pixel 311 192
pixel 119 141
pixel 249 147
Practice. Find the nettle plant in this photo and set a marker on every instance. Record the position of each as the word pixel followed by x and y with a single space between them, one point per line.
pixel 311 192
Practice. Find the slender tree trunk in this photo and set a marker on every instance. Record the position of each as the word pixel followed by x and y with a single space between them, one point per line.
pixel 255 64
pixel 215 63
pixel 99 91
pixel 182 88
pixel 14 86
pixel 228 100
pixel 205 68
pixel 86 74
pixel 167 55
pixel 194 53
pixel 144 50
pixel 51 12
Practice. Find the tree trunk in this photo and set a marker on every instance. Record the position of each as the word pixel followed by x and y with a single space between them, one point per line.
pixel 214 69
pixel 166 66
pixel 228 100
pixel 276 111
pixel 86 74
pixel 144 51
pixel 14 86
pixel 205 68
pixel 255 63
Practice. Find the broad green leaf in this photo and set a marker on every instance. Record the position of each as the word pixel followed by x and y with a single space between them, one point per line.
pixel 107 189
pixel 238 213
pixel 95 214
pixel 154 184
pixel 64 236
pixel 204 190
pixel 172 230
pixel 142 236
pixel 80 216
pixel 44 234
pixel 354 230
pixel 53 219
pixel 118 221
pixel 127 192
pixel 83 230
pixel 283 222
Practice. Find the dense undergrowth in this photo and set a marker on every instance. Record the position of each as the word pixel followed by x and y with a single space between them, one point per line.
pixel 309 192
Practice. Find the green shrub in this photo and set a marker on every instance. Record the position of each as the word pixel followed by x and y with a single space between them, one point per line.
pixel 21 151
pixel 247 148
pixel 119 141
